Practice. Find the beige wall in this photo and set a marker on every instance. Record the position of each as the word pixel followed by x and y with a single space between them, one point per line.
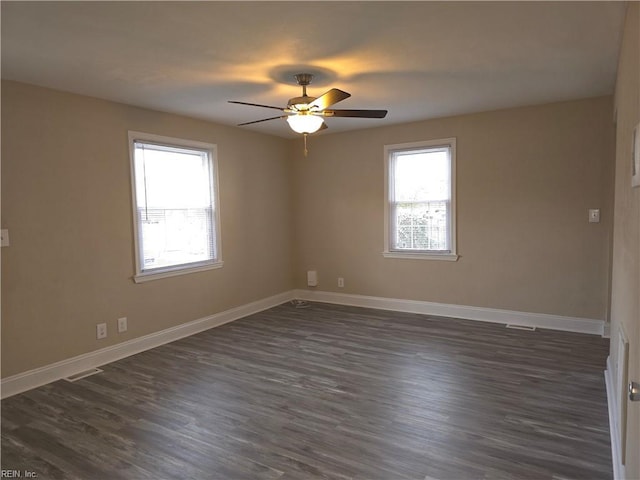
pixel 66 200
pixel 625 299
pixel 526 179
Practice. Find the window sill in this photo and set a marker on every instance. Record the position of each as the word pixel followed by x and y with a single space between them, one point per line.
pixel 147 277
pixel 449 257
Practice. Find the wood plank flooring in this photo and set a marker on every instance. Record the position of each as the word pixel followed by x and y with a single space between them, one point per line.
pixel 327 392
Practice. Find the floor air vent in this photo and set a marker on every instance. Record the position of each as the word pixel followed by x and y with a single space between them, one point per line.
pixel 299 303
pixel 85 374
pixel 522 327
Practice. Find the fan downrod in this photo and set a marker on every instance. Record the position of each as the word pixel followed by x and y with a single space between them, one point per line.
pixel 303 80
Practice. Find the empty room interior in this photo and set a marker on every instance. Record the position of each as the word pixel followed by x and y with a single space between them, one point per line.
pixel 320 240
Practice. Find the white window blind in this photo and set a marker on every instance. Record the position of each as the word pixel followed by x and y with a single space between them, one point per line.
pixel 420 198
pixel 175 206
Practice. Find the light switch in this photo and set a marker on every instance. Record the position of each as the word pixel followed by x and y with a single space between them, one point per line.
pixel 594 215
pixel 4 237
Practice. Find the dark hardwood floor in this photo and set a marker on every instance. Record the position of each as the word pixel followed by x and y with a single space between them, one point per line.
pixel 327 392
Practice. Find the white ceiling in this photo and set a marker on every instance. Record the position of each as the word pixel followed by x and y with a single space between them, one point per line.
pixel 419 60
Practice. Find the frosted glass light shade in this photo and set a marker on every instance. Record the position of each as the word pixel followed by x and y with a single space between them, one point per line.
pixel 305 123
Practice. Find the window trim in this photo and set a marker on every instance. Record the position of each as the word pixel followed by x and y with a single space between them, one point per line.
pixel 141 276
pixel 451 255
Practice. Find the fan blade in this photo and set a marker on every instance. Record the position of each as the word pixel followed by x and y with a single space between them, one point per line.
pixel 355 113
pixel 329 98
pixel 256 105
pixel 263 120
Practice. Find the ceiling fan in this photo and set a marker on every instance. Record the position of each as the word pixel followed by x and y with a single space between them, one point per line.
pixel 306 114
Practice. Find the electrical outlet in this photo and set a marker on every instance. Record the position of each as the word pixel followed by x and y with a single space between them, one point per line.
pixel 340 282
pixel 101 331
pixel 122 324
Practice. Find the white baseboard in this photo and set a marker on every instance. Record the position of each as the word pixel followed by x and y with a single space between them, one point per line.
pixel 616 454
pixel 539 320
pixel 50 373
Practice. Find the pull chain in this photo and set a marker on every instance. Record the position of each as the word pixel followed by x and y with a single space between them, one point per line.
pixel 305 145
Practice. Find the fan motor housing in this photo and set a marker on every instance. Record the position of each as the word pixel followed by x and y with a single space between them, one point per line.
pixel 304 100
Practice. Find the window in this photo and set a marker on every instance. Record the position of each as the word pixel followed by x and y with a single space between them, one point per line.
pixel 420 200
pixel 176 213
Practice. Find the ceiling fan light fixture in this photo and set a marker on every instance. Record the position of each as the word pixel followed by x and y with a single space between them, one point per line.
pixel 305 123
pixel 305 114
